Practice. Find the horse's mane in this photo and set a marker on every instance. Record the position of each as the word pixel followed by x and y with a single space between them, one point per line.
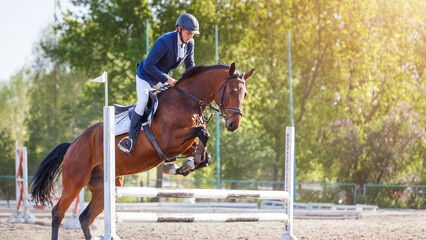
pixel 190 72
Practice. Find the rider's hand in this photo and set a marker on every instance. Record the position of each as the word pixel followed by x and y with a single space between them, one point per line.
pixel 171 81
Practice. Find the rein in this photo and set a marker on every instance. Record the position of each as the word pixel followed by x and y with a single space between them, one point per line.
pixel 205 120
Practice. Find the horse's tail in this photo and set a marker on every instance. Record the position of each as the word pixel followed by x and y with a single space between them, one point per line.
pixel 47 173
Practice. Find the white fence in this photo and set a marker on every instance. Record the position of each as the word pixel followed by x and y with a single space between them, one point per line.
pixel 110 192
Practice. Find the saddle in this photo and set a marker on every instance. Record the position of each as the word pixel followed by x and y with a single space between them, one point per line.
pixel 123 114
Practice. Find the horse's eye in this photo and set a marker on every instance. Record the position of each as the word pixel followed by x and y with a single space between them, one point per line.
pixel 231 92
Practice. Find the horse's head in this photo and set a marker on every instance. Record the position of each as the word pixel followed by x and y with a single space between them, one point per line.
pixel 233 92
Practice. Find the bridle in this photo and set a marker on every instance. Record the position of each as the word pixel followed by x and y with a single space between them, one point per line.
pixel 204 120
pixel 222 98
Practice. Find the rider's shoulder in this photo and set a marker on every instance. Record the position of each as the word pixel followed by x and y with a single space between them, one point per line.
pixel 168 36
pixel 165 41
pixel 191 43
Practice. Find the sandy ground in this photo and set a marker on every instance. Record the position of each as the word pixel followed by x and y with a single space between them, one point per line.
pixel 384 224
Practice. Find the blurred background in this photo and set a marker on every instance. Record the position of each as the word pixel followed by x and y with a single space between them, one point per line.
pixel 358 79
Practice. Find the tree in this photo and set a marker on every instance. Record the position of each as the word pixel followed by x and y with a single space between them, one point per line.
pixel 13 109
pixel 54 108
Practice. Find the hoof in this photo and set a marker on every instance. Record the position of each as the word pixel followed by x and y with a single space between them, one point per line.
pixel 170 168
pixel 188 165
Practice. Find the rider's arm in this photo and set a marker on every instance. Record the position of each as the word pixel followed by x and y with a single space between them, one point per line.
pixel 158 50
pixel 189 60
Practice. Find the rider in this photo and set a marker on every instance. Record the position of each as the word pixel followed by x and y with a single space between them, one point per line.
pixel 167 53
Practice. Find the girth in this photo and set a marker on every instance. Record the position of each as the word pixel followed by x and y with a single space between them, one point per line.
pixel 150 135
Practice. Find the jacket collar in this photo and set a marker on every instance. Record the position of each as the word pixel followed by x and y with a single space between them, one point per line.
pixel 179 42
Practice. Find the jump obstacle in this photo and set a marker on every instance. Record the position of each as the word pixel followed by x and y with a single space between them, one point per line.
pixel 110 193
pixel 23 206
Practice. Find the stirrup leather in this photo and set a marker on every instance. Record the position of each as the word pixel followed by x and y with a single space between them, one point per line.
pixel 123 145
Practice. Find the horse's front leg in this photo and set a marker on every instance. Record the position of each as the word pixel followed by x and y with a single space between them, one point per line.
pixel 201 158
pixel 188 166
pixel 201 148
pixel 204 163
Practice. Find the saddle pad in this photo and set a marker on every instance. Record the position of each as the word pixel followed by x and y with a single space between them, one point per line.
pixel 122 120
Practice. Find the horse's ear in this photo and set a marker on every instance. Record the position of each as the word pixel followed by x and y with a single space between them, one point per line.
pixel 232 69
pixel 248 75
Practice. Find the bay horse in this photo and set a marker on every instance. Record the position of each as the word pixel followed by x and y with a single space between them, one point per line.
pixel 176 125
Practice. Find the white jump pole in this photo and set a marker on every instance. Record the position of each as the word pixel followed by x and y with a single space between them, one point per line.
pixel 200 193
pixel 202 217
pixel 288 182
pixel 109 174
pixel 109 168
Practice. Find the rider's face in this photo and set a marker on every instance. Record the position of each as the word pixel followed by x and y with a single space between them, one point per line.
pixel 187 35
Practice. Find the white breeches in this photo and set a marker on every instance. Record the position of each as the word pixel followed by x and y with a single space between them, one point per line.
pixel 142 91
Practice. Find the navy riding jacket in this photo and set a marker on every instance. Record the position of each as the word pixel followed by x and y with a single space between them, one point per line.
pixel 163 57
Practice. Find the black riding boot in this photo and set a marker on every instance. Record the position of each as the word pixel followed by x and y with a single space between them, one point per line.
pixel 127 144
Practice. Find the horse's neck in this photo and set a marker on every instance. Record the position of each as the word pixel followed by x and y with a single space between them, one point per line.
pixel 204 86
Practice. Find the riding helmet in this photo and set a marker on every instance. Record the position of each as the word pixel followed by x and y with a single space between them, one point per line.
pixel 188 22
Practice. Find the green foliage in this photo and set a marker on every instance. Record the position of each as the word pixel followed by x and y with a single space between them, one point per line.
pixel 11 128
pixel 14 103
pixel 110 36
pixel 7 151
pixel 328 193
pixel 396 197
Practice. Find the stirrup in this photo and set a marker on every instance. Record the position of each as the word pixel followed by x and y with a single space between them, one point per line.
pixel 123 146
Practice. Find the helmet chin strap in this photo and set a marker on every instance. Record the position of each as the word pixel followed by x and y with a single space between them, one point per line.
pixel 181 38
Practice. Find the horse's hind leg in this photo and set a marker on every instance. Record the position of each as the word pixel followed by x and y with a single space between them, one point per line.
pixel 96 205
pixel 69 193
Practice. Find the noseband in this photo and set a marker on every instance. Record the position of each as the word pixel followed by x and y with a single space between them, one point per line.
pixel 204 120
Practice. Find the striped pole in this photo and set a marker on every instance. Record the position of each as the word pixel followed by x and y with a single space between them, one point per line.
pixel 41 223
pixel 200 193
pixel 24 206
pixel 201 217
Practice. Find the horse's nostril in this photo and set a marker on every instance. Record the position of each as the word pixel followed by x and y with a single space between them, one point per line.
pixel 232 126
